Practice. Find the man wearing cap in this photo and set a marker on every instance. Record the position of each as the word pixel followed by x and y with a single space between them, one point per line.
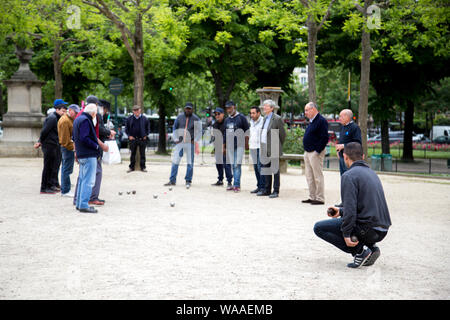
pixel 235 140
pixel 187 131
pixel 65 127
pixel 218 133
pixel 49 142
pixel 137 128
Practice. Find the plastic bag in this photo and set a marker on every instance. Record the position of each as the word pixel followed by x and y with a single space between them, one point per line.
pixel 112 156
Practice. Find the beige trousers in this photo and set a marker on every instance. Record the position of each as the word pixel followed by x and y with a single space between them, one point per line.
pixel 314 175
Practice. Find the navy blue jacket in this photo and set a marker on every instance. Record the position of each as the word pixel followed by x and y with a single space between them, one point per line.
pixel 316 135
pixel 349 133
pixel 137 128
pixel 232 124
pixel 84 137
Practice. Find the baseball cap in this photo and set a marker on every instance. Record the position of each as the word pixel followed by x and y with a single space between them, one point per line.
pixel 92 99
pixel 229 103
pixel 59 102
pixel 74 107
pixel 189 105
pixel 219 110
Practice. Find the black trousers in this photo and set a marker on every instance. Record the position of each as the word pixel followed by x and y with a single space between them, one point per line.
pixel 134 145
pixel 52 160
pixel 268 179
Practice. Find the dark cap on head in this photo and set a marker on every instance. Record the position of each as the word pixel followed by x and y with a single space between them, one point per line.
pixel 105 103
pixel 92 99
pixel 189 105
pixel 229 103
pixel 136 107
pixel 219 110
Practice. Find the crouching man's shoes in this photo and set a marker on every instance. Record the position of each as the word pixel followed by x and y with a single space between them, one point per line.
pixel 88 210
pixel 361 258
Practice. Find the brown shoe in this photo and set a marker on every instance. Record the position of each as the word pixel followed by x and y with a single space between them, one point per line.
pixel 96 203
pixel 307 201
pixel 315 202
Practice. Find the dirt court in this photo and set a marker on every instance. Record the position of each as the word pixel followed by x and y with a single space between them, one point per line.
pixel 213 244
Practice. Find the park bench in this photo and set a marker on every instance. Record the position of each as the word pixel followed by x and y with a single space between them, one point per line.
pixel 290 156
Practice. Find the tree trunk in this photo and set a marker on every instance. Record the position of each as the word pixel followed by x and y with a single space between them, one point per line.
pixel 385 146
pixel 2 103
pixel 57 70
pixel 312 42
pixel 407 137
pixel 365 80
pixel 138 63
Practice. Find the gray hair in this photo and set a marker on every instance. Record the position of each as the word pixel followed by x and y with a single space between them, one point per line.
pixel 312 104
pixel 348 112
pixel 270 102
pixel 91 108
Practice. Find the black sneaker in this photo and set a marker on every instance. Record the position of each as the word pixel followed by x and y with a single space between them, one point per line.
pixel 170 183
pixel 255 191
pixel 188 184
pixel 360 258
pixel 218 183
pixel 373 257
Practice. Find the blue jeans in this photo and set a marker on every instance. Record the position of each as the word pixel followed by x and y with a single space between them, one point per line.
pixel 68 159
pixel 330 231
pixel 224 167
pixel 260 181
pixel 86 181
pixel 176 158
pixel 235 159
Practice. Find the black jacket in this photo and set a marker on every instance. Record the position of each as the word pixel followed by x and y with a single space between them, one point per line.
pixel 363 199
pixel 49 132
pixel 316 135
pixel 349 133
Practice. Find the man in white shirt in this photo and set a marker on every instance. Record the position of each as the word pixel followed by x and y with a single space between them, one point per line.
pixel 256 122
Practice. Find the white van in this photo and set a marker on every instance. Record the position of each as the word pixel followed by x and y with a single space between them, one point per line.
pixel 438 131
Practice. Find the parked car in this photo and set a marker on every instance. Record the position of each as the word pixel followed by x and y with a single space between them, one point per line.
pixel 332 136
pixel 394 136
pixel 442 139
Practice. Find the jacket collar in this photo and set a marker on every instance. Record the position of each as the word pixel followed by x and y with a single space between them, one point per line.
pixel 360 163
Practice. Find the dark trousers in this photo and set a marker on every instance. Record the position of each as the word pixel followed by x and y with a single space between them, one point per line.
pixel 268 179
pixel 224 167
pixel 260 181
pixel 52 159
pixel 330 231
pixel 342 166
pixel 134 145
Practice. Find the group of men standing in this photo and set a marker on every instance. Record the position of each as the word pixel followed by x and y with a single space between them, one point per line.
pixel 71 134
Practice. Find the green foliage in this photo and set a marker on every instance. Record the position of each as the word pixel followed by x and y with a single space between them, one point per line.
pixel 294 141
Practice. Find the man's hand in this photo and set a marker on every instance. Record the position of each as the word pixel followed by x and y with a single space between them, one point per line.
pixel 37 145
pixel 333 212
pixel 112 135
pixel 339 147
pixel 103 146
pixel 350 243
pixel 130 138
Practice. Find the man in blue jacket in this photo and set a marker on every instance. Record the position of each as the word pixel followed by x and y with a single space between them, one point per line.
pixel 87 148
pixel 364 214
pixel 315 140
pixel 350 132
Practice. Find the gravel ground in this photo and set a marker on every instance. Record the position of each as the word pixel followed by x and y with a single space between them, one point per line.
pixel 213 244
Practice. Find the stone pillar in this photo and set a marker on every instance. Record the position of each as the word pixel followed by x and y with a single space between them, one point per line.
pixel 272 93
pixel 23 121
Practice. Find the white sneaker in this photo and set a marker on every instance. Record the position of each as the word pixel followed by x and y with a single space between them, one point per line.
pixel 67 195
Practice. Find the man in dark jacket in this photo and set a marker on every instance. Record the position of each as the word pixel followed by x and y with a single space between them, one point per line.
pixel 187 132
pixel 87 148
pixel 315 140
pixel 235 140
pixel 51 149
pixel 271 150
pixel 218 133
pixel 137 128
pixel 364 218
pixel 350 132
